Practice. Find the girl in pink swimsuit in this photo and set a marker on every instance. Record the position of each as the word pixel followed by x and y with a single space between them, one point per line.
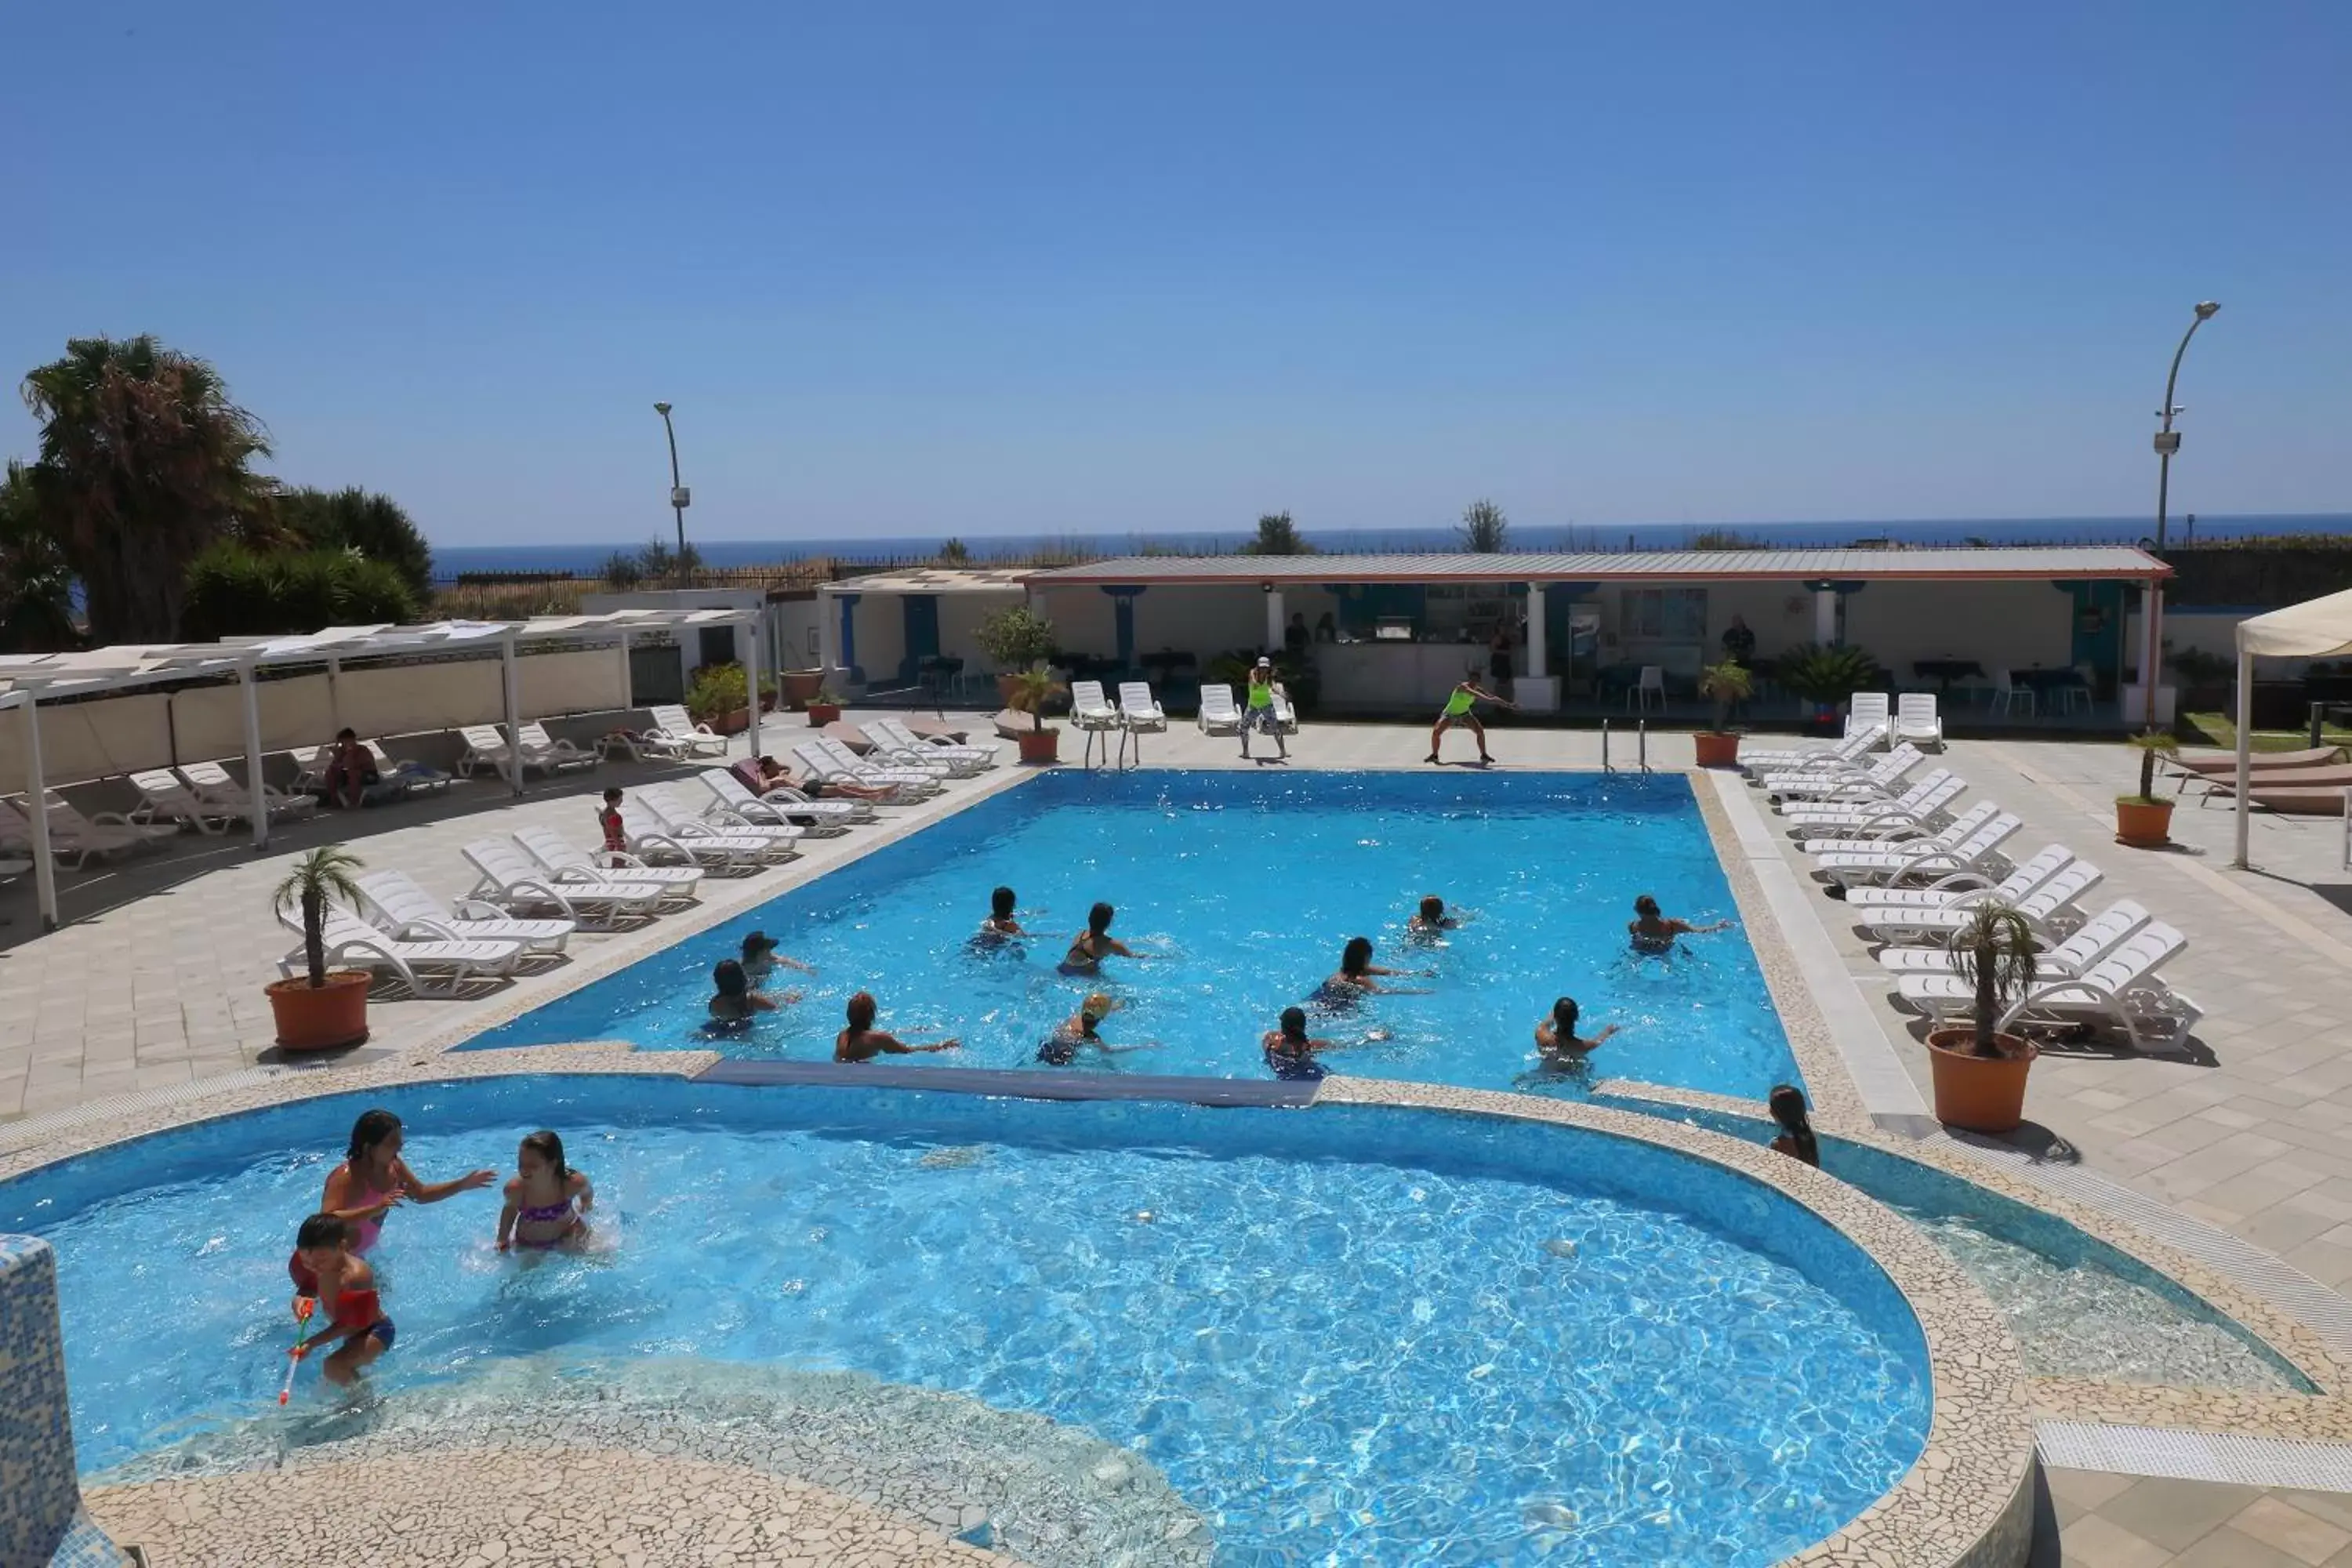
pixel 372 1181
pixel 547 1202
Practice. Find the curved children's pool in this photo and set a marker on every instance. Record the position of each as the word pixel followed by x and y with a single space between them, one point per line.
pixel 1493 1342
pixel 1246 886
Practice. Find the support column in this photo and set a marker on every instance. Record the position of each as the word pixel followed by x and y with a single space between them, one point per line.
pixel 2151 663
pixel 849 636
pixel 1273 619
pixel 2245 717
pixel 747 644
pixel 1538 649
pixel 257 805
pixel 1825 615
pixel 36 799
pixel 510 685
pixel 828 637
pixel 628 681
pixel 335 695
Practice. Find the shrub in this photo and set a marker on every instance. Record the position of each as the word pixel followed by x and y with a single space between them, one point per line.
pixel 718 688
pixel 1015 638
pixel 357 520
pixel 1824 675
pixel 236 592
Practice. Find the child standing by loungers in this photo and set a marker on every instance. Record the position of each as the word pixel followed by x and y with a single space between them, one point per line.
pixel 345 1288
pixel 547 1201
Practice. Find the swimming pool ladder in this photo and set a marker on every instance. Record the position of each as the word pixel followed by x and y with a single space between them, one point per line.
pixel 1641 746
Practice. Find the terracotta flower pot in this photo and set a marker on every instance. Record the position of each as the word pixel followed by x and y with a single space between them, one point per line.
pixel 732 722
pixel 1981 1094
pixel 800 685
pixel 1040 747
pixel 1716 750
pixel 2144 825
pixel 324 1019
pixel 822 714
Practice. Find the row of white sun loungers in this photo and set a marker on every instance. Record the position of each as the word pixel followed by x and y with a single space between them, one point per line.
pixel 1912 867
pixel 536 886
pixel 1913 717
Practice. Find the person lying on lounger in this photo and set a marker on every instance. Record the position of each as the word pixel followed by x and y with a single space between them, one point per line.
pixel 1653 932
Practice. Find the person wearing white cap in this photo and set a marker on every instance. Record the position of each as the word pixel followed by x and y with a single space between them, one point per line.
pixel 1257 713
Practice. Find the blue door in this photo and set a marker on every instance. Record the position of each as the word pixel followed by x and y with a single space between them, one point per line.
pixel 922 612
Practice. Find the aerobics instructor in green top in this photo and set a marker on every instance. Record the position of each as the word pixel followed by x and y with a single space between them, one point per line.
pixel 1465 696
pixel 1257 713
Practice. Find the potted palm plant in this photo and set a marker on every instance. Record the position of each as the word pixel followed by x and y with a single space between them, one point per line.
pixel 2143 821
pixel 1826 675
pixel 824 708
pixel 1032 688
pixel 320 1011
pixel 1980 1072
pixel 1723 684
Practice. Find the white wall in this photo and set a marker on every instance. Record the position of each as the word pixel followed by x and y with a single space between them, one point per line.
pixel 960 618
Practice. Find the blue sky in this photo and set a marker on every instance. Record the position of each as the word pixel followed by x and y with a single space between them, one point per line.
pixel 930 269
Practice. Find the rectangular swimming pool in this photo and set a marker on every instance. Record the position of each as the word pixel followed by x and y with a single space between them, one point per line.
pixel 1246 885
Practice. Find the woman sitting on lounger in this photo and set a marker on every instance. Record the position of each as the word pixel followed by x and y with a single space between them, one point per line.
pixel 351 768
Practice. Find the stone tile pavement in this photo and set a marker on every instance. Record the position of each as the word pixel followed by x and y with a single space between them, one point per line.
pixel 2099 1521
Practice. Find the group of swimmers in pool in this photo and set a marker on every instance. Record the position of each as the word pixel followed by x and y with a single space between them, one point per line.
pixel 1290 1050
pixel 547 1206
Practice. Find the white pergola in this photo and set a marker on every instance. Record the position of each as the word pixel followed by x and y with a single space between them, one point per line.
pixel 29 680
pixel 2316 628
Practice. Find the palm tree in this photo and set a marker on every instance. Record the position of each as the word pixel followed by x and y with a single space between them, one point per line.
pixel 324 873
pixel 353 519
pixel 1484 530
pixel 143 464
pixel 1277 535
pixel 1994 952
pixel 35 585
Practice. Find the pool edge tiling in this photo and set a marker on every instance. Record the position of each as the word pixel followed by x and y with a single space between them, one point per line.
pixel 1966 1503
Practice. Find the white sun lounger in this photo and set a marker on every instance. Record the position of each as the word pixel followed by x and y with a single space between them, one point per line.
pixel 1864 711
pixel 1217 714
pixel 1900 838
pixel 650 838
pixel 485 749
pixel 394 901
pixel 686 817
pixel 792 803
pixel 542 750
pixel 2044 901
pixel 430 968
pixel 919 748
pixel 512 881
pixel 673 725
pixel 1845 780
pixel 78 836
pixel 410 778
pixel 1915 720
pixel 1090 708
pixel 2122 987
pixel 1139 709
pixel 1965 887
pixel 161 795
pixel 1923 862
pixel 1818 754
pixel 1923 802
pixel 213 786
pixel 731 800
pixel 837 763
pixel 570 863
pixel 2099 935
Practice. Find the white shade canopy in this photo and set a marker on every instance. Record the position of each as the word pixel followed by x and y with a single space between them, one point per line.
pixel 2316 628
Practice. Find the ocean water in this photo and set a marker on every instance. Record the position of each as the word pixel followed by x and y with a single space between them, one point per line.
pixel 585 560
pixel 1347 1336
pixel 1243 888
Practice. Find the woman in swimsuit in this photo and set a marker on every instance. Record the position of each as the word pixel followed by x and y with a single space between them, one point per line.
pixel 1653 932
pixel 1092 945
pixel 862 1042
pixel 1557 1040
pixel 1356 974
pixel 547 1201
pixel 1061 1048
pixel 1291 1052
pixel 370 1181
pixel 733 1001
pixel 1467 695
pixel 342 1282
pixel 1795 1138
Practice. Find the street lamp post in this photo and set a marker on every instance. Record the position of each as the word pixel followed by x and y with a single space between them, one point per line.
pixel 2168 441
pixel 680 498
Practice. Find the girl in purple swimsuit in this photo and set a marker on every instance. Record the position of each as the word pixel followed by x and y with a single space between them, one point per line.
pixel 547 1201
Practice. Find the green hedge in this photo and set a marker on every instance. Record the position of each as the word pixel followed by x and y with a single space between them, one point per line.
pixel 236 592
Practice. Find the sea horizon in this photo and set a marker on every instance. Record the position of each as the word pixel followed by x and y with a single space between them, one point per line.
pixel 585 560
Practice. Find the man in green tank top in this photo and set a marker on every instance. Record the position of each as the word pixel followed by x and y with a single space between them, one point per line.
pixel 1459 703
pixel 1257 711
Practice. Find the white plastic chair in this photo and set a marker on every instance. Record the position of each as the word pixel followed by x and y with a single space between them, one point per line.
pixel 1865 711
pixel 1217 716
pixel 1652 684
pixel 2007 693
pixel 1916 721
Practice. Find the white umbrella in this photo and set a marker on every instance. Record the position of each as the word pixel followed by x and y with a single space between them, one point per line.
pixel 2316 628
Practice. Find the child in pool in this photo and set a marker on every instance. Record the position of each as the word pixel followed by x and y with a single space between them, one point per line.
pixel 371 1183
pixel 1796 1138
pixel 547 1201
pixel 345 1287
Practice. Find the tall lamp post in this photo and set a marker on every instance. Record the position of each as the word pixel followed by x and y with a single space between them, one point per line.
pixel 680 498
pixel 2168 441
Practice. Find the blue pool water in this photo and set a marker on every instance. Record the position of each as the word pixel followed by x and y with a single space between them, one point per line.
pixel 1493 1343
pixel 1250 885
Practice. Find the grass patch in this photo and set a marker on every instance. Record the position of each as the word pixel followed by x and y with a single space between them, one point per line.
pixel 2216 730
